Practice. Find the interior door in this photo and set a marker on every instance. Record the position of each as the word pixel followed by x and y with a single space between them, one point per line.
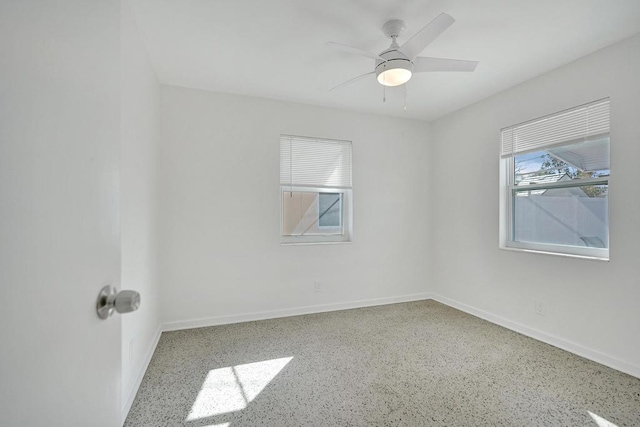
pixel 59 230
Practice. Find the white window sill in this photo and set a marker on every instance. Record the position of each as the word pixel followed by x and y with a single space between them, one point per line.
pixel 313 243
pixel 562 254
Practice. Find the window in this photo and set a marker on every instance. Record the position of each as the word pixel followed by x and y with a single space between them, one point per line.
pixel 555 183
pixel 315 190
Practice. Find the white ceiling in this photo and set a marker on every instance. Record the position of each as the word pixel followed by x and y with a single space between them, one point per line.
pixel 276 48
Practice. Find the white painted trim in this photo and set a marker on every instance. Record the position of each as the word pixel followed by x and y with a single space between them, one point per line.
pixel 126 404
pixel 598 254
pixel 273 314
pixel 570 346
pixel 563 254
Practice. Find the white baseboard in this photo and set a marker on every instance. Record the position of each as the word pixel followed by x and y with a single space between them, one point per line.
pixel 553 340
pixel 272 314
pixel 126 406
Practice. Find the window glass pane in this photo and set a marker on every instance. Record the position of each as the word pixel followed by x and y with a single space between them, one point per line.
pixel 573 216
pixel 330 209
pixel 311 213
pixel 582 160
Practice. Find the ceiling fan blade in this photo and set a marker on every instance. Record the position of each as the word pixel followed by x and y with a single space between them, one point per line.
pixel 348 82
pixel 416 44
pixel 424 64
pixel 353 50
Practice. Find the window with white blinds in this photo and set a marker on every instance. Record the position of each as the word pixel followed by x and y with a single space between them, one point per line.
pixel 555 180
pixel 313 162
pixel 315 190
pixel 581 123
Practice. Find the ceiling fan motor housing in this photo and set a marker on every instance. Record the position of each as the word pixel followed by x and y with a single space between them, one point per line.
pixel 394 28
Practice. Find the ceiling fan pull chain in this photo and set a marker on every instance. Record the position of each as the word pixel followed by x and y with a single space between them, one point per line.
pixel 384 92
pixel 405 96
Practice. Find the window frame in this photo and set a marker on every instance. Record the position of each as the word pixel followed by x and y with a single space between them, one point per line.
pixel 303 168
pixel 507 195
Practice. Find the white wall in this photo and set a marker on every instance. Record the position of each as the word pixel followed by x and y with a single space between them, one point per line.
pixel 592 305
pixel 140 95
pixel 219 209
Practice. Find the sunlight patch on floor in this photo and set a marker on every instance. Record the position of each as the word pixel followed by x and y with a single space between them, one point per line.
pixel 601 421
pixel 233 388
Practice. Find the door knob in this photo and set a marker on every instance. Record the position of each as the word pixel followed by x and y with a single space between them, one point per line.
pixel 110 300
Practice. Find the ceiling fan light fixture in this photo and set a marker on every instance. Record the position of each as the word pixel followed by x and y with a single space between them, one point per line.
pixel 394 72
pixel 395 65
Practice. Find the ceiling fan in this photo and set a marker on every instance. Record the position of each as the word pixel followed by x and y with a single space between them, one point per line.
pixel 395 65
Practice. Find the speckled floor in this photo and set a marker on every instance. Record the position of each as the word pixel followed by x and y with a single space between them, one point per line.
pixel 412 364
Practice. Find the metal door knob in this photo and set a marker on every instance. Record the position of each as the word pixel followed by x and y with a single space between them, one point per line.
pixel 110 300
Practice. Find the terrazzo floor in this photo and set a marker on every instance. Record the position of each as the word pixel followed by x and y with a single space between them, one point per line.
pixel 410 364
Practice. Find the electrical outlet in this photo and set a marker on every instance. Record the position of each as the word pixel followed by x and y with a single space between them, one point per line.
pixel 540 308
pixel 317 286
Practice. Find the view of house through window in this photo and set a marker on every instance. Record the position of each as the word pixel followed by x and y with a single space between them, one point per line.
pixel 330 211
pixel 558 182
pixel 315 190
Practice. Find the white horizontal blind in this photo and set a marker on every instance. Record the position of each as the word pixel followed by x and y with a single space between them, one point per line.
pixel 580 123
pixel 315 162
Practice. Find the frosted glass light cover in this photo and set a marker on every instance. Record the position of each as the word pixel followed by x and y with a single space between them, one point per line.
pixel 394 77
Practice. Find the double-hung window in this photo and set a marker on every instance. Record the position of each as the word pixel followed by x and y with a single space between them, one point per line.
pixel 315 190
pixel 555 182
